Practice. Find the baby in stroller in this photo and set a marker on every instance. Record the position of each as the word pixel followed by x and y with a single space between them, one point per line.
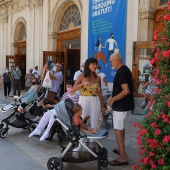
pixel 69 121
pixel 17 118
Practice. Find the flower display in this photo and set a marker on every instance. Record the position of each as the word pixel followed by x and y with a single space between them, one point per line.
pixel 153 138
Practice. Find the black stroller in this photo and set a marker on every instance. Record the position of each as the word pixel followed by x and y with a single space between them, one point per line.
pixel 17 119
pixel 88 153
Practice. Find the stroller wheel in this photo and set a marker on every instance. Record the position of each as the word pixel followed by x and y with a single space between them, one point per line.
pixel 32 126
pixel 1 126
pixel 55 163
pixel 104 163
pixel 4 132
pixel 107 125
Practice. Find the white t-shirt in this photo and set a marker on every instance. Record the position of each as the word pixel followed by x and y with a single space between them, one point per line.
pixel 77 74
pixel 111 43
pixel 37 73
pixel 102 76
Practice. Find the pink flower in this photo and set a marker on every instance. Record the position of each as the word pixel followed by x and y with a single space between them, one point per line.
pixel 156 32
pixel 157 131
pixel 166 81
pixel 151 162
pixel 140 160
pixel 161 161
pixel 163 76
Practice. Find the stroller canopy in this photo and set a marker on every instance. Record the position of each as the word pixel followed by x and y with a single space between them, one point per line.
pixel 64 111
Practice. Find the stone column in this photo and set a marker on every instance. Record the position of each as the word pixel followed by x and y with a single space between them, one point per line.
pixel 53 40
pixel 146 19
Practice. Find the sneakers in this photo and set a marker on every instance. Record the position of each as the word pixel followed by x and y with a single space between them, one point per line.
pixel 143 105
pixel 35 133
pixel 37 119
pixel 44 136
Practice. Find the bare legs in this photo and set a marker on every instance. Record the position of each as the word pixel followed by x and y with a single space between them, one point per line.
pixel 120 140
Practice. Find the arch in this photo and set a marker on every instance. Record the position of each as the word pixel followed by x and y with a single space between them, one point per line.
pixel 57 10
pixel 18 25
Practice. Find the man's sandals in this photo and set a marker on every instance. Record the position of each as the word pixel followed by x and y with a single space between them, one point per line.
pixel 118 163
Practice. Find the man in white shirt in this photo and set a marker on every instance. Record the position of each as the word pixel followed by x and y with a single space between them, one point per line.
pixel 36 72
pixel 78 72
pixel 104 82
pixel 111 42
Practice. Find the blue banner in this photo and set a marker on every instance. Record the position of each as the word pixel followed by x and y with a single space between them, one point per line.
pixel 107 32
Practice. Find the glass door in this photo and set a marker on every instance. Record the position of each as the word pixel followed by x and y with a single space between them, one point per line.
pixel 141 66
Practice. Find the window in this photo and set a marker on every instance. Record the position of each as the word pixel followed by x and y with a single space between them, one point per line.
pixel 22 35
pixel 70 18
pixel 163 2
pixel 70 44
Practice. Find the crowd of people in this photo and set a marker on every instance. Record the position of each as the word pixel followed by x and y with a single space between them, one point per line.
pixel 86 92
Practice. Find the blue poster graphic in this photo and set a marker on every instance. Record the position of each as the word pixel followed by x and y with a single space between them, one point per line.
pixel 107 32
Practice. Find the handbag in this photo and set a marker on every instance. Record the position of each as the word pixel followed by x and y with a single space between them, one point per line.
pixel 100 121
pixel 47 81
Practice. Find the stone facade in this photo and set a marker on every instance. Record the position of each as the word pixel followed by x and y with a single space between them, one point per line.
pixel 40 18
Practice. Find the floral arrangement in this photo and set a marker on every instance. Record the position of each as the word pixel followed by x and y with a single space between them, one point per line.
pixel 153 138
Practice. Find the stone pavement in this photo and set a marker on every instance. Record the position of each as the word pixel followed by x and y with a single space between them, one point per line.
pixel 18 152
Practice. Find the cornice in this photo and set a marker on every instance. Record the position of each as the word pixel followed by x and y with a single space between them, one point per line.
pixel 53 35
pixel 147 13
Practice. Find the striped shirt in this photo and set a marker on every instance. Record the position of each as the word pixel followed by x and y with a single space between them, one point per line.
pixel 74 98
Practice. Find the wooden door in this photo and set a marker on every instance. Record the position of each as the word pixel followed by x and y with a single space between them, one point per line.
pixel 71 63
pixel 11 62
pixel 21 62
pixel 141 67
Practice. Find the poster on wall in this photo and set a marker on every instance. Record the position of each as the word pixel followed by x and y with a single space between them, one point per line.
pixel 107 32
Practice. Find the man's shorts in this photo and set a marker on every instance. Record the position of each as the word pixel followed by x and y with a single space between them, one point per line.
pixel 119 119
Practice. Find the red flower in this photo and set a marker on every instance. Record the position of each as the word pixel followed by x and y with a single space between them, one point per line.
pixel 168 103
pixel 157 131
pixel 155 37
pixel 153 43
pixel 135 124
pixel 134 167
pixel 163 76
pixel 146 160
pixel 156 32
pixel 153 166
pixel 166 53
pixel 167 17
pixel 166 80
pixel 158 18
pixel 166 139
pixel 151 154
pixel 154 125
pixel 161 161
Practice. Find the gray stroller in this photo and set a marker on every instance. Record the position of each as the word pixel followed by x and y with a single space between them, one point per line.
pixel 87 153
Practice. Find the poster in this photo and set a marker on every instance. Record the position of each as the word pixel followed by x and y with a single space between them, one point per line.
pixel 107 32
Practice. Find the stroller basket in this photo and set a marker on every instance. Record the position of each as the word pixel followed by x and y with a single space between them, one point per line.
pixel 83 155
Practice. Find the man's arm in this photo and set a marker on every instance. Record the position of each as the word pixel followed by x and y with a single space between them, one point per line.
pixel 125 91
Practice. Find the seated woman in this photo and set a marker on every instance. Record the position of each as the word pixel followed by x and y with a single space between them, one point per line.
pixel 48 118
pixel 29 95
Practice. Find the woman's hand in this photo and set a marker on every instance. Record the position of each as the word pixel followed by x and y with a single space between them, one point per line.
pixel 49 105
pixel 94 131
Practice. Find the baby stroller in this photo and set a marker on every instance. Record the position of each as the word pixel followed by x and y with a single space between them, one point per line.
pixel 17 119
pixel 107 114
pixel 64 116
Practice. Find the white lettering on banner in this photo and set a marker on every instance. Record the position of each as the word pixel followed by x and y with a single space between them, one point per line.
pixel 100 7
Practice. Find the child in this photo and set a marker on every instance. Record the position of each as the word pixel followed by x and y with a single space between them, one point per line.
pixel 76 120
pixel 149 88
pixel 34 86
